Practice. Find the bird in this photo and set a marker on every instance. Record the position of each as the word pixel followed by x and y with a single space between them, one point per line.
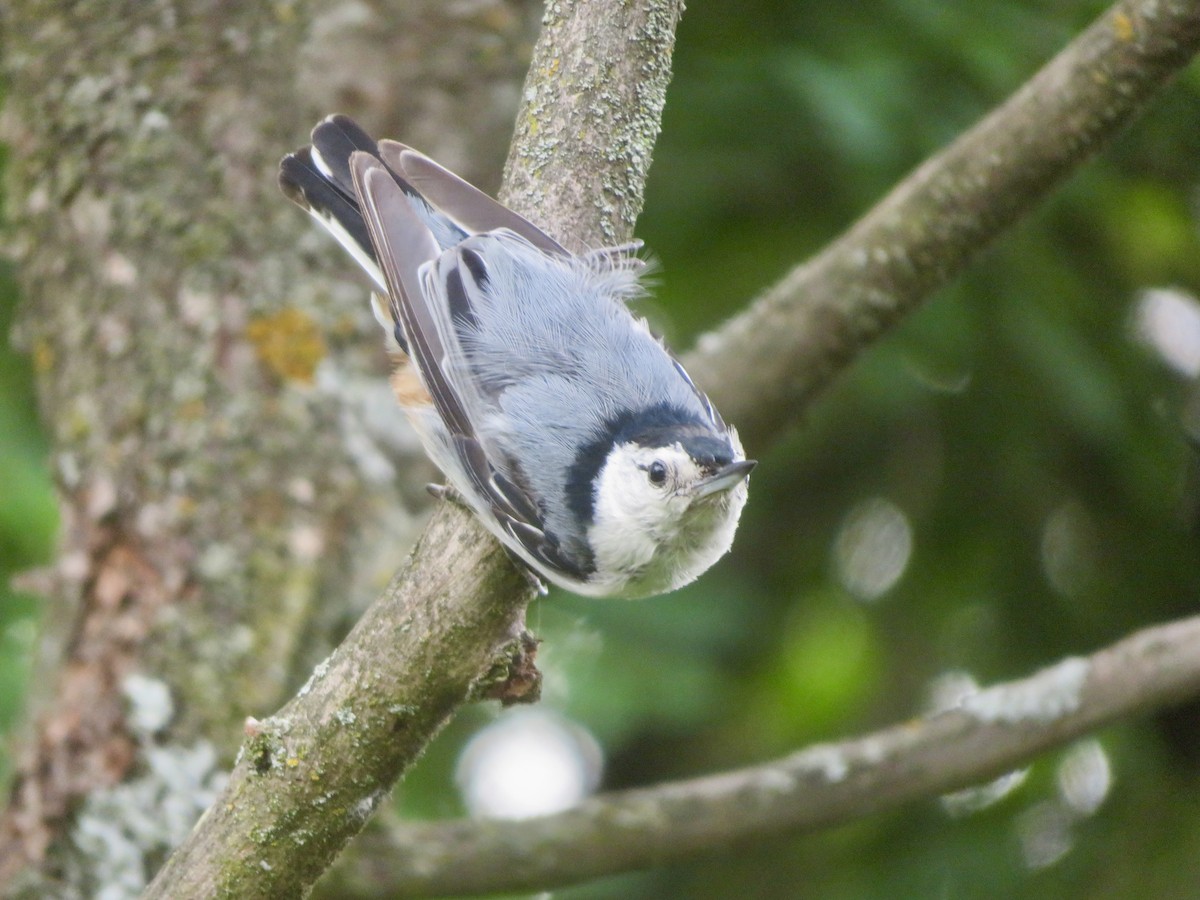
pixel 575 436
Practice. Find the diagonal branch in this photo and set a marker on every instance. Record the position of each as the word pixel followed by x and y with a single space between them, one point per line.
pixel 825 785
pixel 812 324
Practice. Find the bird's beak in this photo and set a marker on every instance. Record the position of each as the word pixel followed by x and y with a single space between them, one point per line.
pixel 724 478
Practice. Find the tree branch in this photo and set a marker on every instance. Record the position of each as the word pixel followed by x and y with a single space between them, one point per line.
pixel 308 778
pixel 989 733
pixel 593 107
pixel 812 324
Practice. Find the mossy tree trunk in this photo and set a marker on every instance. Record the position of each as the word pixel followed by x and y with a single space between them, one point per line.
pixel 226 450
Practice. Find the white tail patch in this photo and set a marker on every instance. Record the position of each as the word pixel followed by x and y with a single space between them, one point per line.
pixel 342 236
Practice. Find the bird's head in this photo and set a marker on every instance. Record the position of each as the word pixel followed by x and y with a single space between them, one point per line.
pixel 666 503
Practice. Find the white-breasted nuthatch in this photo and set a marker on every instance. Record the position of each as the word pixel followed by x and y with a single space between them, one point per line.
pixel 579 441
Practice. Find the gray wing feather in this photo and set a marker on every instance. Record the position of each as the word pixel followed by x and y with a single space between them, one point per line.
pixel 403 244
pixel 461 201
pixel 427 287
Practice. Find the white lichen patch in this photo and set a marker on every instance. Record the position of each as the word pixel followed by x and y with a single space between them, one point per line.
pixel 873 750
pixel 829 761
pixel 639 813
pixel 119 270
pixel 121 834
pixel 968 801
pixel 306 543
pixel 317 674
pixel 1043 697
pixel 363 809
pixel 150 704
pixel 775 780
pixel 218 561
pixel 155 120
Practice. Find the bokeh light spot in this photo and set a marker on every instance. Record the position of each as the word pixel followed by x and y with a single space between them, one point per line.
pixel 1069 548
pixel 1169 321
pixel 529 762
pixel 1044 831
pixel 1084 777
pixel 872 548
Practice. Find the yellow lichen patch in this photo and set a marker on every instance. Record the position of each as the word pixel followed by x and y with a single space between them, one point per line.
pixel 289 343
pixel 1123 27
pixel 43 357
pixel 185 506
pixel 193 410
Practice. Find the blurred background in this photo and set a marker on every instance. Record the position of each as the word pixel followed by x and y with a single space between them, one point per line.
pixel 1009 478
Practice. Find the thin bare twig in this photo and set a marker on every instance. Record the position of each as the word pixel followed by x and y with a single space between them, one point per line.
pixel 829 784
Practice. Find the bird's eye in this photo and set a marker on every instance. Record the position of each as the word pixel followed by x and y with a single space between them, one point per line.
pixel 657 472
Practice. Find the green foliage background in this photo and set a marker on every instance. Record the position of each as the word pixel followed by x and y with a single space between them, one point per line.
pixel 1016 393
pixel 28 517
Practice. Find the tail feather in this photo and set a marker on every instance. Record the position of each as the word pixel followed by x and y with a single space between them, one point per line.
pixel 317 178
pixel 333 140
pixel 303 181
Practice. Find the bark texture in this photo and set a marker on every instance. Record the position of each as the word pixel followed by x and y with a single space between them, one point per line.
pixel 235 483
pixel 592 111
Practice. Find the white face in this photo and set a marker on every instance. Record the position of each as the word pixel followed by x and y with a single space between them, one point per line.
pixel 654 528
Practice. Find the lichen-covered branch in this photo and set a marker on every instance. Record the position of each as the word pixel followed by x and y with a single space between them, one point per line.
pixel 987 734
pixel 309 777
pixel 593 107
pixel 812 324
